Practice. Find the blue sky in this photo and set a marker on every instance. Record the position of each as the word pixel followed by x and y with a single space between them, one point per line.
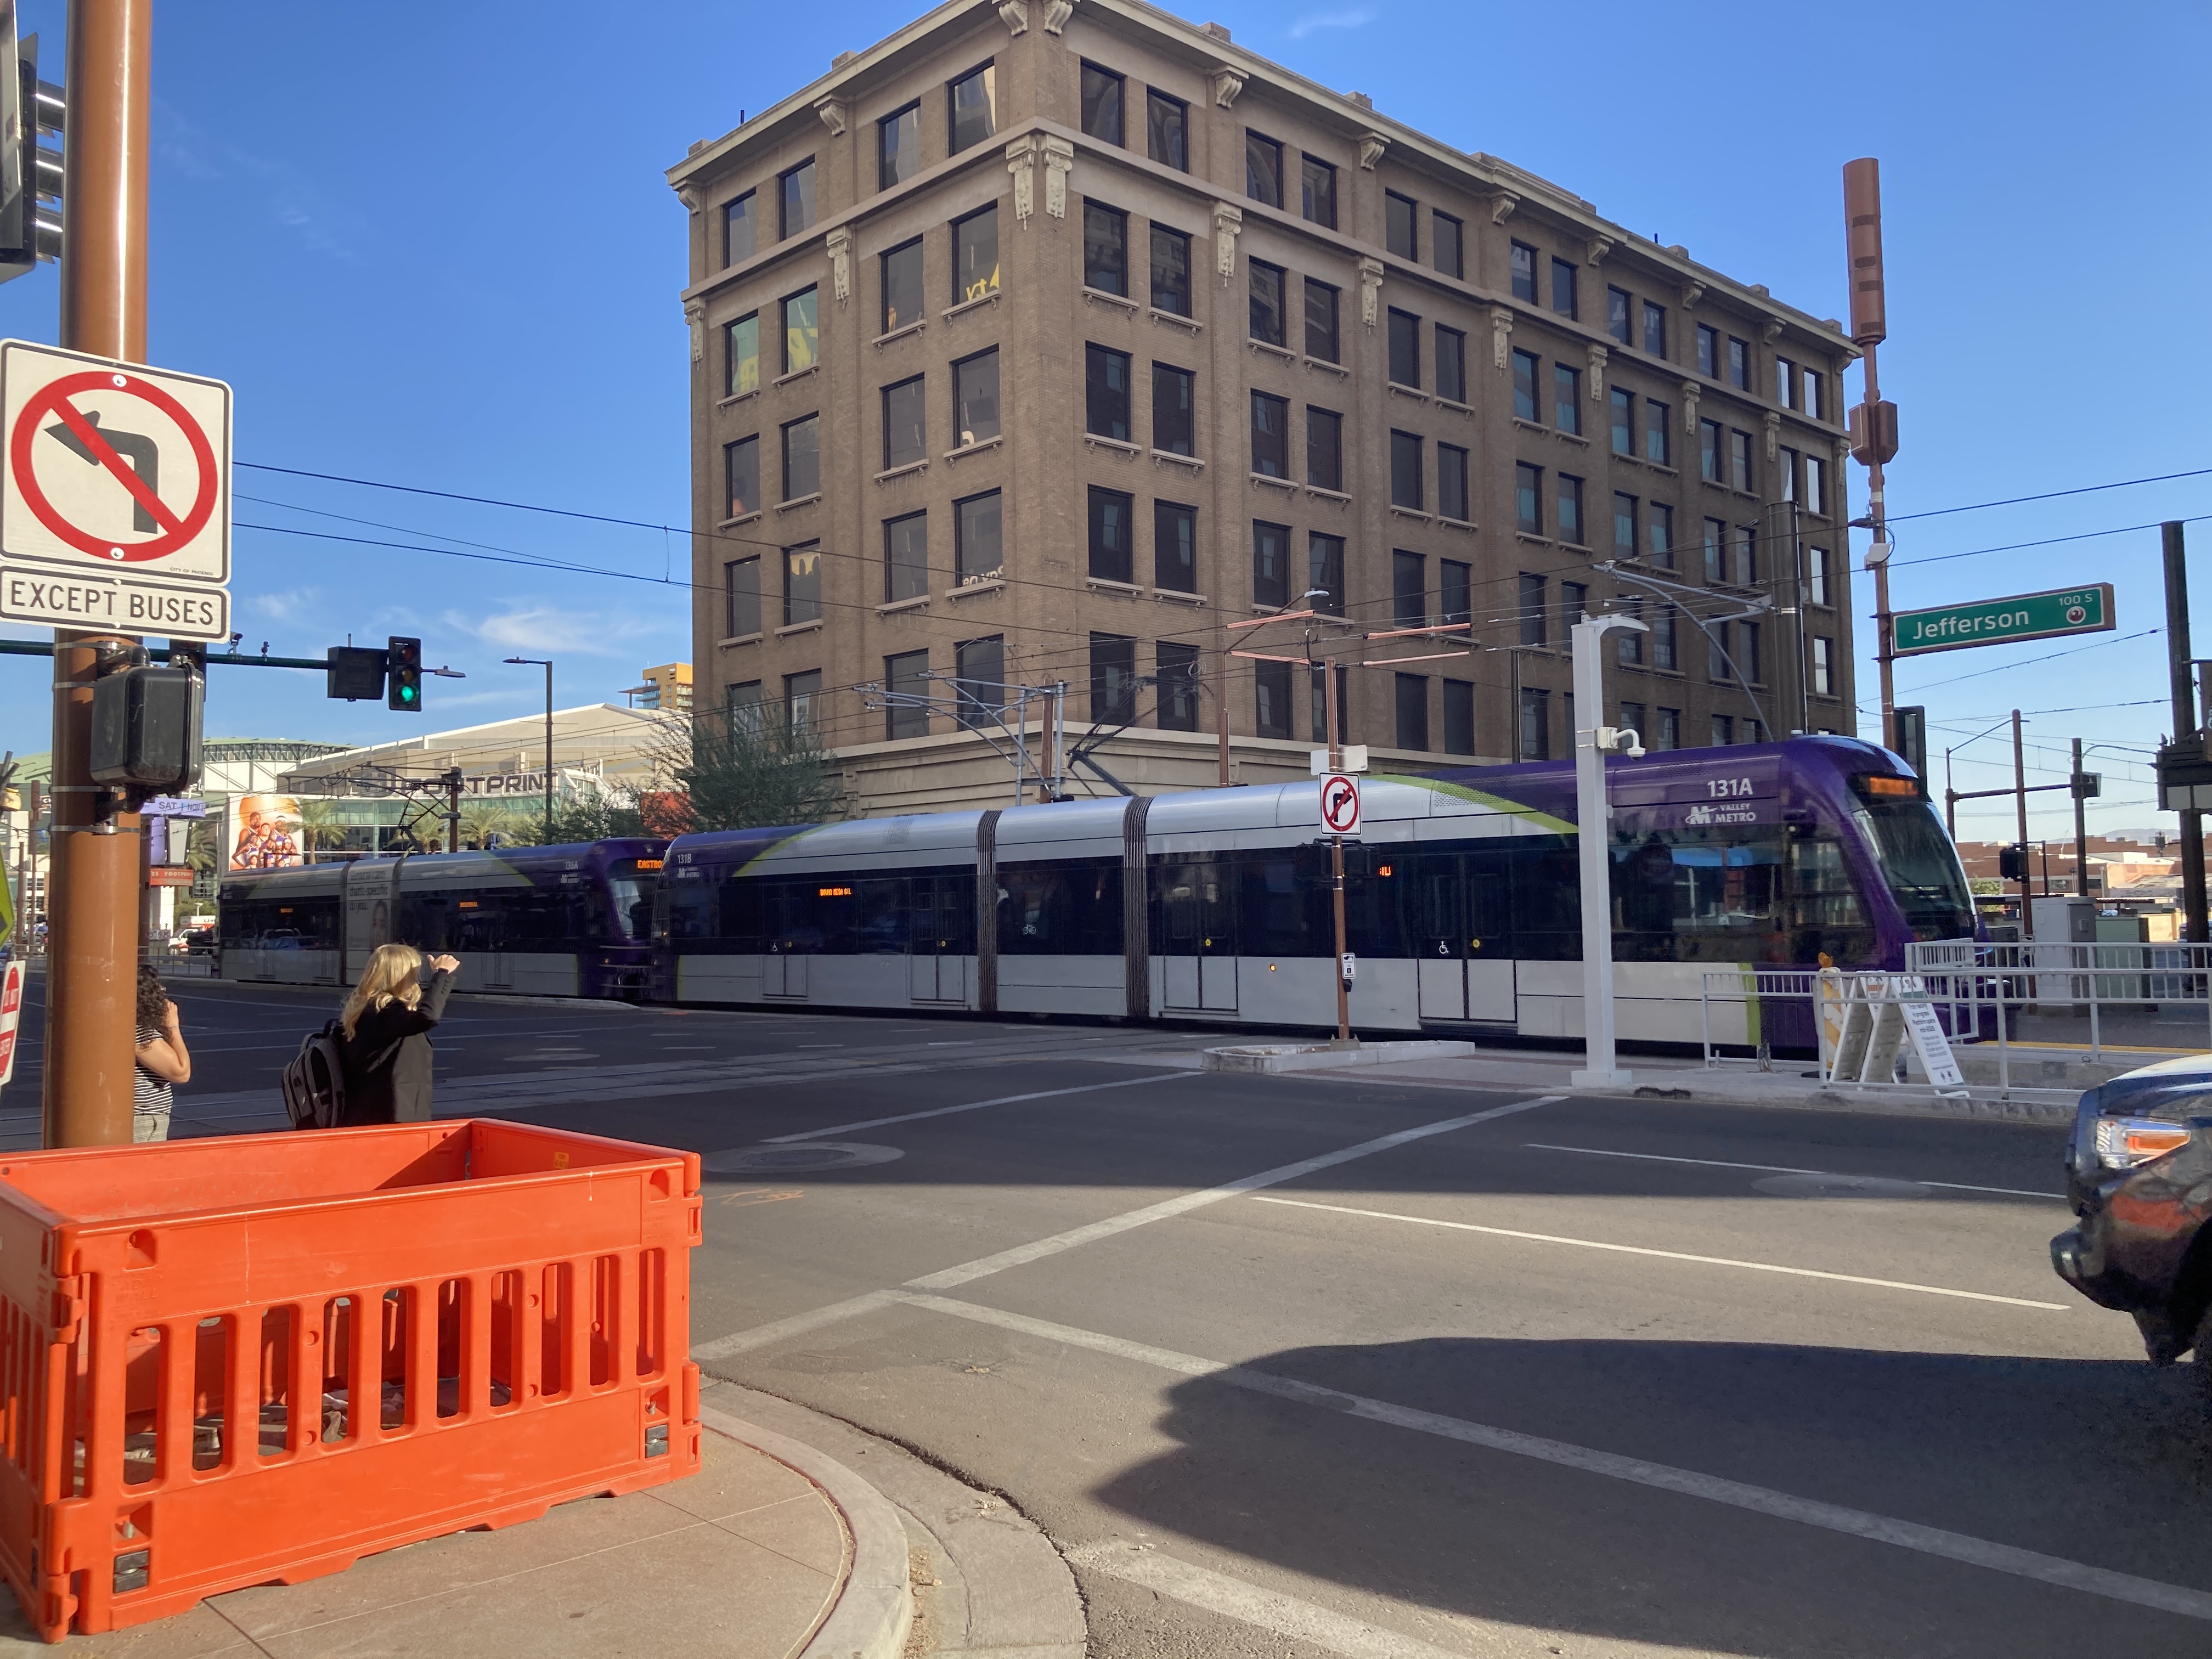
pixel 430 244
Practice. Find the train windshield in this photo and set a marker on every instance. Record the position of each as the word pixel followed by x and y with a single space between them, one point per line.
pixel 631 884
pixel 1921 867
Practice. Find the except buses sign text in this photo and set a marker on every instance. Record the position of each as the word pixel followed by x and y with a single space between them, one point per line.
pixel 2086 610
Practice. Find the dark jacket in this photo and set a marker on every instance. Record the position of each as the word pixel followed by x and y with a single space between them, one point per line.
pixel 387 1059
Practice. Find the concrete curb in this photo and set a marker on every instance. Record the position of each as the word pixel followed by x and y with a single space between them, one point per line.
pixel 1871 1102
pixel 874 1609
pixel 1271 1058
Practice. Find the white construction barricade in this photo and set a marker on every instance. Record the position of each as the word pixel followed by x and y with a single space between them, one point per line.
pixel 1866 1022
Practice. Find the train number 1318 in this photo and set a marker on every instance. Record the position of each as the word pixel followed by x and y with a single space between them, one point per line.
pixel 1726 788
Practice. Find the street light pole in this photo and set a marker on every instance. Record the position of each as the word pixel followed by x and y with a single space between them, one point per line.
pixel 546 664
pixel 1593 830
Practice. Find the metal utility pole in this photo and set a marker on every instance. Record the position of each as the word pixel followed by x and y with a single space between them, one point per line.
pixel 1336 858
pixel 1593 827
pixel 92 909
pixel 2081 828
pixel 545 664
pixel 2184 723
pixel 2020 808
pixel 1221 703
pixel 1874 422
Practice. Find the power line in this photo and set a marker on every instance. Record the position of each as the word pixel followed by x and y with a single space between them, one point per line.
pixel 2048 495
pixel 2049 656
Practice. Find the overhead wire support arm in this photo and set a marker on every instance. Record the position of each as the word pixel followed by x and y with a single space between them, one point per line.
pixel 1671 592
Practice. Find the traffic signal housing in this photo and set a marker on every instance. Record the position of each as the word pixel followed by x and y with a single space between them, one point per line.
pixel 355 672
pixel 403 674
pixel 2012 861
pixel 146 727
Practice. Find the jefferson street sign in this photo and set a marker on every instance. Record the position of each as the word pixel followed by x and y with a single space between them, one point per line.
pixel 2085 610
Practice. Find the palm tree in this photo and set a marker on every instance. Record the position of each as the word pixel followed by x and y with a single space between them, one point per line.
pixel 320 826
pixel 485 819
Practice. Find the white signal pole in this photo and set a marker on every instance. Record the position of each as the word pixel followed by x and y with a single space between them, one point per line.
pixel 1594 827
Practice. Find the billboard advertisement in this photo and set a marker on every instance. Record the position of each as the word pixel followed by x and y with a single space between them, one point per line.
pixel 262 832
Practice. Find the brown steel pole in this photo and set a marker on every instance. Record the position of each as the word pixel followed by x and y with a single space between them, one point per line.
pixel 2175 552
pixel 2020 811
pixel 92 909
pixel 1336 858
pixel 2081 828
pixel 1221 699
pixel 1873 440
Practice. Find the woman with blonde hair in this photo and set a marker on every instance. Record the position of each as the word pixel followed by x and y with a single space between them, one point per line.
pixel 385 1028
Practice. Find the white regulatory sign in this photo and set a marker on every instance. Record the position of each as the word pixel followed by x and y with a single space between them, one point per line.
pixel 114 495
pixel 1339 805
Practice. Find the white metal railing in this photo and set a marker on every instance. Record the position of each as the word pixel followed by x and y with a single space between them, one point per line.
pixel 1740 987
pixel 1864 1023
pixel 1965 976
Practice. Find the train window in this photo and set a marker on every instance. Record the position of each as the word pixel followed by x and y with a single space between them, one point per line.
pixel 1072 908
pixel 884 918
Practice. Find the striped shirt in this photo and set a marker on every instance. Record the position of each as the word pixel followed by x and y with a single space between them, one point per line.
pixel 148 1093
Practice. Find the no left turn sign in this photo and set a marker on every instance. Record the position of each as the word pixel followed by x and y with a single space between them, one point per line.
pixel 1339 805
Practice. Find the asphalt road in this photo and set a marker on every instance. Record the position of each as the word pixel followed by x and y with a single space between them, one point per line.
pixel 1375 1368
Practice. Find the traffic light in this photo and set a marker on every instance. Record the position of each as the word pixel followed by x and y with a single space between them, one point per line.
pixel 29 176
pixel 355 672
pixel 403 674
pixel 146 727
pixel 2012 861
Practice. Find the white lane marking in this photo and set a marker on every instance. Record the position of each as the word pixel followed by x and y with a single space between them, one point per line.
pixel 1286 1615
pixel 1675 1255
pixel 1689 1483
pixel 761 1335
pixel 1022 1254
pixel 970 1106
pixel 1784 1169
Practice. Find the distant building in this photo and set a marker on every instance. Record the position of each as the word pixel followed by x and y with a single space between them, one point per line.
pixel 667 687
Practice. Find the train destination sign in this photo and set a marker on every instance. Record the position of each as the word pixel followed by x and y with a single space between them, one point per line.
pixel 2084 610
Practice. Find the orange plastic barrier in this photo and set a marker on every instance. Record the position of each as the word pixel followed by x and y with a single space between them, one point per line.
pixel 258 1358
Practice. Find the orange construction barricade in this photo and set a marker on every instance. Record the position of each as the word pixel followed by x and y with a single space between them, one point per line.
pixel 259 1357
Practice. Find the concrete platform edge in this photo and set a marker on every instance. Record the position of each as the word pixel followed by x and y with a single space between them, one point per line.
pixel 1292 1057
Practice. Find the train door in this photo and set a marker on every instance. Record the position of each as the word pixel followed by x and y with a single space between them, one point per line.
pixel 789 941
pixel 941 937
pixel 1466 967
pixel 1197 913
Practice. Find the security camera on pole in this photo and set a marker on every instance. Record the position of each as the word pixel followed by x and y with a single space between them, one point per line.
pixel 1592 822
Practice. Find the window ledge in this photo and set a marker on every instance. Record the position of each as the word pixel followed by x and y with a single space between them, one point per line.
pixel 1113 446
pixel 1099 296
pixel 896 607
pixel 1571 437
pixel 742 517
pixel 790 629
pixel 1662 466
pixel 907 471
pixel 1175 319
pixel 1337 496
pixel 1268 348
pixel 735 640
pixel 967 305
pixel 1467 410
pixel 1467 525
pixel 1274 483
pixel 813 368
pixel 735 398
pixel 914 327
pixel 798 501
pixel 1534 540
pixel 1119 590
pixel 951 456
pixel 1176 596
pixel 1577 547
pixel 1168 458
pixel 1529 425
pixel 1414 392
pixel 1322 366
pixel 981 585
pixel 1414 513
pixel 1748 495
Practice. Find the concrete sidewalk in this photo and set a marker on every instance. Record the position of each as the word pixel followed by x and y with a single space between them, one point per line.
pixel 776 1550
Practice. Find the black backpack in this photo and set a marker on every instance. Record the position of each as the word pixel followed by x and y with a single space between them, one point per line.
pixel 314 1080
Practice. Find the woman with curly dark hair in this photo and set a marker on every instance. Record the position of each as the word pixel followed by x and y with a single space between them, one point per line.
pixel 163 1060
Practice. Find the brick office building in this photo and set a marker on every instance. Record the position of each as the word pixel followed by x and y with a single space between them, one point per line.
pixel 1041 341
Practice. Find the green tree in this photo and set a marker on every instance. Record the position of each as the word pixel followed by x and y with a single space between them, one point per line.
pixel 320 827
pixel 744 773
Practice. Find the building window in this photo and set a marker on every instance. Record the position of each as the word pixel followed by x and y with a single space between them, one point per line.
pixel 974 109
pixel 1785 383
pixel 1409 591
pixel 1170 270
pixel 1113 556
pixel 1112 677
pixel 1739 363
pixel 802 700
pixel 1716 551
pixel 1524 272
pixel 898 152
pixel 1271 446
pixel 1531 609
pixel 1455 590
pixel 1624 421
pixel 1574 605
pixel 742 704
pixel 802 337
pixel 1527 499
pixel 1570 510
pixel 1824 667
pixel 1716 657
pixel 1724 731
pixel 1536 732
pixel 741 595
pixel 1405 471
pixel 976 398
pixel 902 275
pixel 1448 238
pixel 1664 650
pixel 741 353
pixel 1816 485
pixel 1174 411
pixel 1451 484
pixel 1740 460
pixel 1618 306
pixel 1167 122
pixel 1398 225
pixel 975 256
pixel 741 469
pixel 1624 525
pixel 978 553
pixel 1267 307
pixel 1563 287
pixel 1176 666
pixel 1632 719
pixel 795 190
pixel 906 557
pixel 1271 564
pixel 1659 533
pixel 1816 586
pixel 1747 656
pixel 802 457
pixel 1405 349
pixel 1786 465
pixel 1175 547
pixel 740 228
pixel 1459 717
pixel 1669 734
pixel 1628 644
pixel 1263 169
pixel 1324 449
pixel 1747 555
pixel 1451 365
pixel 1106 393
pixel 1105 249
pixel 802 584
pixel 1271 699
pixel 905 435
pixel 1321 321
pixel 1709 351
pixel 1412 711
pixel 1658 436
pixel 1102 104
pixel 1655 329
pixel 1816 395
pixel 979 674
pixel 1526 366
pixel 906 676
pixel 1566 397
pixel 1709 451
pixel 1317 192
pixel 1325 571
